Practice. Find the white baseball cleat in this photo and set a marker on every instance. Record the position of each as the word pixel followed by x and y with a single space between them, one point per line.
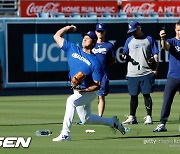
pixel 117 125
pixel 148 120
pixel 130 120
pixel 62 138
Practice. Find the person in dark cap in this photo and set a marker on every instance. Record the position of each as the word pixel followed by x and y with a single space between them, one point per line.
pixel 82 60
pixel 141 53
pixel 133 26
pixel 105 53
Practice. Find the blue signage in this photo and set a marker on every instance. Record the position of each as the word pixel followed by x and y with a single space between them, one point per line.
pixel 42 54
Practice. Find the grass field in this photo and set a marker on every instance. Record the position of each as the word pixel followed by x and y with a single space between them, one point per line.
pixel 23 115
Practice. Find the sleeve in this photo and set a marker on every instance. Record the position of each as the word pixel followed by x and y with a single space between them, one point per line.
pixel 67 46
pixel 169 41
pixel 111 52
pixel 154 48
pixel 172 46
pixel 126 48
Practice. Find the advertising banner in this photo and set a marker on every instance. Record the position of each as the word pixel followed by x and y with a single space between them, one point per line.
pixel 33 55
pixel 146 7
pixel 34 7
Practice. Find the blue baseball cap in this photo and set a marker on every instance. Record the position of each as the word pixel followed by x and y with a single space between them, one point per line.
pixel 91 34
pixel 133 25
pixel 100 27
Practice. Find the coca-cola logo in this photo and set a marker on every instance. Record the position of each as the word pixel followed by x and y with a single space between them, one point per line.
pixel 34 9
pixel 144 8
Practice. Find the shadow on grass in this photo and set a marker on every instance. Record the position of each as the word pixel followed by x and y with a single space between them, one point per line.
pixel 50 123
pixel 169 121
pixel 152 136
pixel 32 124
pixel 136 137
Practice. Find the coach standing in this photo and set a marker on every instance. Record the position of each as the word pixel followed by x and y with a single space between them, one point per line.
pixel 173 77
pixel 141 53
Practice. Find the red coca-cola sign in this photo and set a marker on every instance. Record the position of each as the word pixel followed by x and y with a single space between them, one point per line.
pixel 147 7
pixel 144 8
pixel 32 8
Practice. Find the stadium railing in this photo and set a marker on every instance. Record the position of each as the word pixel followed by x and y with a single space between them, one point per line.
pixel 9 7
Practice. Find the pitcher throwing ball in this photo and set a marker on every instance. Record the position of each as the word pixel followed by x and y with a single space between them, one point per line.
pixel 84 85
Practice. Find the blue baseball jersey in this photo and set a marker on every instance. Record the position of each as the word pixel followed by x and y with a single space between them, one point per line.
pixel 140 50
pixel 174 58
pixel 78 60
pixel 104 52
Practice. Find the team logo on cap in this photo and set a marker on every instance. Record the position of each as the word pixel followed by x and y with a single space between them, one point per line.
pixel 130 26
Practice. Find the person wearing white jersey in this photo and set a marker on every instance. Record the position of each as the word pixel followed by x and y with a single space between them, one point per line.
pixel 82 60
pixel 141 53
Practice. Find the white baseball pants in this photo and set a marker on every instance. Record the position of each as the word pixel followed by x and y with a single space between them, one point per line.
pixel 81 102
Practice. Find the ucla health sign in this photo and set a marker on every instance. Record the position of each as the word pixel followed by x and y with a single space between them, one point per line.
pixel 42 54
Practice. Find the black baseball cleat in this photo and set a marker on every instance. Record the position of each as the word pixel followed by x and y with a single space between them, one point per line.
pixel 160 128
pixel 118 126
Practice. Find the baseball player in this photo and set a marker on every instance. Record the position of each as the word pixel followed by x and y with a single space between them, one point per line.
pixel 173 77
pixel 141 53
pixel 82 60
pixel 104 51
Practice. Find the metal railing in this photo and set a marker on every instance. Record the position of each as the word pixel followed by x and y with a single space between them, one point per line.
pixel 9 6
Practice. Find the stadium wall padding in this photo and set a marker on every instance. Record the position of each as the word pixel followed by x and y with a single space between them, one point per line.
pixel 31 58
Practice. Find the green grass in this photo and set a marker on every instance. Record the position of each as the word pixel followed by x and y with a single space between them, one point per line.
pixel 23 115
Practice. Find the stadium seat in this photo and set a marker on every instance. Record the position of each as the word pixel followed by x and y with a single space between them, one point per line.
pixel 91 15
pixel 138 15
pixel 43 15
pixel 75 15
pixel 59 15
pixel 121 14
pixel 107 15
pixel 168 14
pixel 153 14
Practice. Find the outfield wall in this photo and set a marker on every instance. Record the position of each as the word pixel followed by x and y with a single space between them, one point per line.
pixel 31 59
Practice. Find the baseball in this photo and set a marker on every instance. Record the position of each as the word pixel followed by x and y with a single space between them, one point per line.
pixel 74 29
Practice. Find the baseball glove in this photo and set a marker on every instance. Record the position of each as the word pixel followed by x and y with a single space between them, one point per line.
pixel 128 58
pixel 152 63
pixel 77 80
